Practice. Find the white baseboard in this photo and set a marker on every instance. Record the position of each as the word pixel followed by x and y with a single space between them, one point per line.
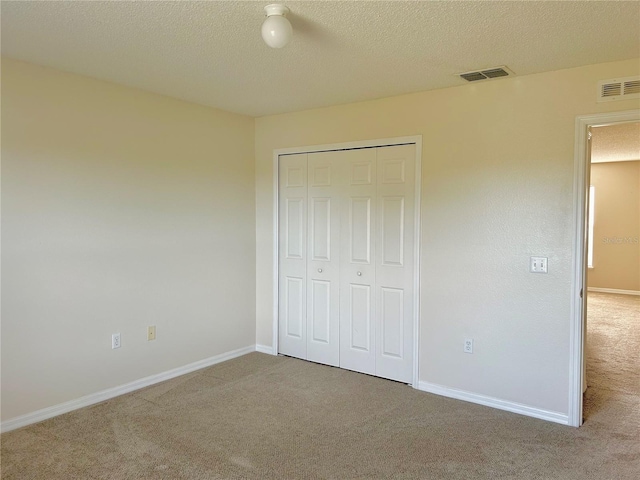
pixel 91 399
pixel 613 290
pixel 494 402
pixel 265 349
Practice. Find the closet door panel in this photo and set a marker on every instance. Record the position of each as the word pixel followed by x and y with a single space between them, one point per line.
pixel 292 256
pixel 360 318
pixel 392 230
pixel 357 273
pixel 359 229
pixel 323 267
pixel 392 321
pixel 294 299
pixel 395 262
pixel 320 311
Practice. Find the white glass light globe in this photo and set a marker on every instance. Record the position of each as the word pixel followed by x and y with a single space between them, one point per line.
pixel 276 31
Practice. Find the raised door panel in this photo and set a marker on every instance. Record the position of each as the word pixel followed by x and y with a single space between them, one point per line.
pixel 294 230
pixel 360 318
pixel 320 311
pixel 392 230
pixel 395 263
pixel 392 316
pixel 323 267
pixel 294 300
pixel 292 255
pixel 359 229
pixel 320 232
pixel 357 273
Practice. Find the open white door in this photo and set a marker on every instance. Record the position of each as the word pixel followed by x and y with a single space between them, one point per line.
pixel 583 289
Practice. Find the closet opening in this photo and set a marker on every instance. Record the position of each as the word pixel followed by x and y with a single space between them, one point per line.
pixel 347 256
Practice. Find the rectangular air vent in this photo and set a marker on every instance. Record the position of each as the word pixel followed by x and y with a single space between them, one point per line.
pixel 618 89
pixel 495 73
pixel 473 76
pixel 488 73
pixel 631 87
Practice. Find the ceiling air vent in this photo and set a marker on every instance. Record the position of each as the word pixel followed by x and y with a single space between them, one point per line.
pixel 473 76
pixel 494 72
pixel 619 89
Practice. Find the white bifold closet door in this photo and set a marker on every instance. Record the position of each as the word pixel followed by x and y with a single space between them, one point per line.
pixel 292 256
pixel 309 257
pixel 323 264
pixel 346 266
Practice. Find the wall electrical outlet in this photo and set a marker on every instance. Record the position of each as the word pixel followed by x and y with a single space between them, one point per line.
pixel 468 345
pixel 151 332
pixel 538 265
pixel 115 340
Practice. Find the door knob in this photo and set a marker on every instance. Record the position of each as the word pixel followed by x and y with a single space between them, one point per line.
pixel 319 270
pixel 359 274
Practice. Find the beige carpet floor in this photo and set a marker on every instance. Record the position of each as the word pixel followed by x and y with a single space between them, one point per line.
pixel 268 417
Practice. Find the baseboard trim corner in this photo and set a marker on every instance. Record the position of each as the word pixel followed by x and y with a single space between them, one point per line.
pixel 265 349
pixel 93 398
pixel 613 290
pixel 492 402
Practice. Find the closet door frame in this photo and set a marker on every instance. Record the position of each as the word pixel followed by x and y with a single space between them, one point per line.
pixel 385 142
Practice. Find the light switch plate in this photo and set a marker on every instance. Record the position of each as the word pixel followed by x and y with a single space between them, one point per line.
pixel 538 265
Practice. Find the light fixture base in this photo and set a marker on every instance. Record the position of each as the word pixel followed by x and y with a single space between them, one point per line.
pixel 275 9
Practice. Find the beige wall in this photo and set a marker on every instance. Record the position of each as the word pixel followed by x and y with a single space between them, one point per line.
pixel 616 232
pixel 497 182
pixel 120 209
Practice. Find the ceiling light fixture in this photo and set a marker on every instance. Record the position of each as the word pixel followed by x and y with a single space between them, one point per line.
pixel 276 29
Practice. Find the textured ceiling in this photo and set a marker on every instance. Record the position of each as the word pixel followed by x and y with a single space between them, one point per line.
pixel 212 53
pixel 616 143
